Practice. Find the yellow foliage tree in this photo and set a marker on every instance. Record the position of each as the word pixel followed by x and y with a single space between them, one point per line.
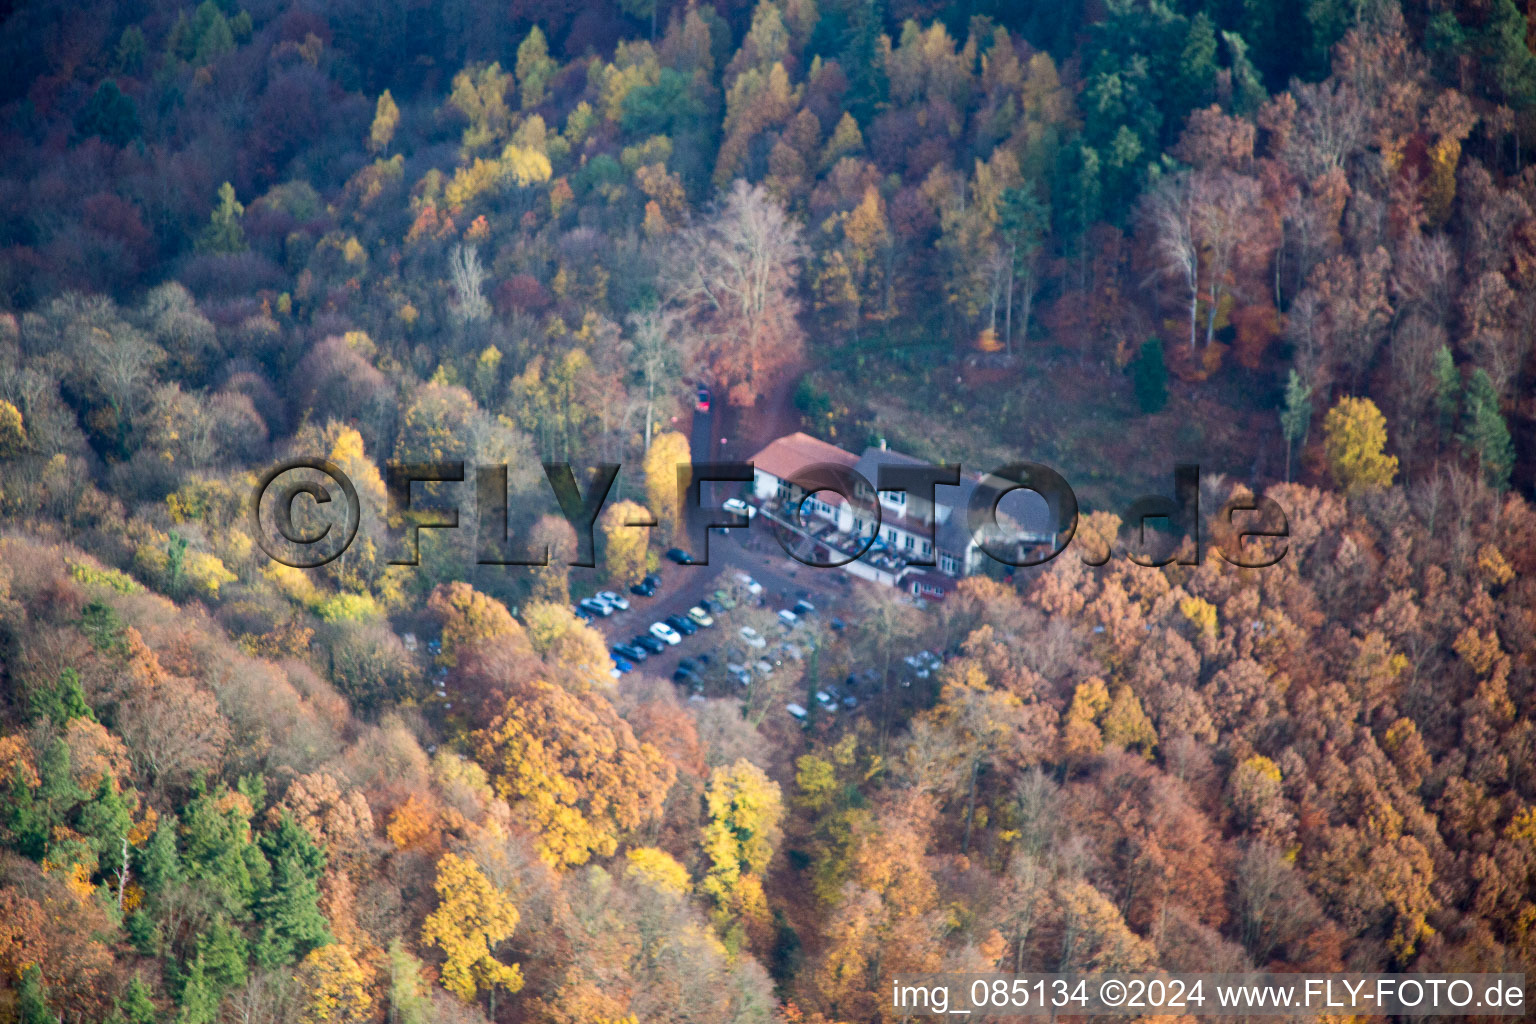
pixel 625 547
pixel 669 451
pixel 573 770
pixel 1355 434
pixel 1080 734
pixel 335 987
pixel 658 869
pixel 1126 724
pixel 386 117
pixel 13 434
pixel 480 94
pixel 471 919
pixel 744 807
pixel 469 618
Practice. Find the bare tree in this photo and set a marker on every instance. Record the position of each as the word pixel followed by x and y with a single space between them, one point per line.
pixel 468 278
pixel 655 354
pixel 1169 213
pixel 733 278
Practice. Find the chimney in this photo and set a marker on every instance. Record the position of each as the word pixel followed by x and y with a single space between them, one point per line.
pixel 882 444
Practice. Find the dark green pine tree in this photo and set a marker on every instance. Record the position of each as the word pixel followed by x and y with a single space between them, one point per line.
pixel 62 701
pixel 32 999
pixel 1447 389
pixel 158 863
pixel 199 996
pixel 289 911
pixel 223 951
pixel 23 820
pixel 216 849
pixel 105 821
pixel 1486 434
pixel 110 115
pixel 1195 85
pixel 137 1007
pixel 57 792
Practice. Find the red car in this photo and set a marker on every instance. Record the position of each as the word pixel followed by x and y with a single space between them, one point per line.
pixel 703 404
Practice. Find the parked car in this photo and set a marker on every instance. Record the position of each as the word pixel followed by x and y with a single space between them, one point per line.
pixel 712 606
pixel 595 607
pixel 739 674
pixel 753 637
pixel 724 600
pixel 791 651
pixel 796 712
pixel 739 507
pixel 623 665
pixel 582 614
pixel 703 397
pixel 650 643
pixel 681 624
pixel 850 702
pixel 683 675
pixel 762 667
pixel 629 652
pixel 802 607
pixel 838 625
pixel 643 589
pixel 753 587
pixel 691 664
pixel 665 633
pixel 679 556
pixel 616 600
pixel 700 616
pixel 788 617
pixel 653 580
pixel 826 700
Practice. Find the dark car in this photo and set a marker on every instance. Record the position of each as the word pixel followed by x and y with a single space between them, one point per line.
pixel 582 614
pixel 683 675
pixel 630 651
pixel 643 589
pixel 712 606
pixel 839 625
pixel 682 624
pixel 652 579
pixel 803 608
pixel 688 663
pixel 649 643
pixel 680 556
pixel 704 397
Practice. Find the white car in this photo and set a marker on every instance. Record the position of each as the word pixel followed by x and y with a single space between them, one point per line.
pixel 788 617
pixel 665 633
pixel 701 616
pixel 796 712
pixel 753 587
pixel 752 637
pixel 739 673
pixel 826 700
pixel 739 507
pixel 763 668
pixel 616 600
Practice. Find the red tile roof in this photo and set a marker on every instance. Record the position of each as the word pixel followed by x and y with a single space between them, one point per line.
pixel 788 455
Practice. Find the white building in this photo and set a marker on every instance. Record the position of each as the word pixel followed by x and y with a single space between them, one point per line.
pixel 910 528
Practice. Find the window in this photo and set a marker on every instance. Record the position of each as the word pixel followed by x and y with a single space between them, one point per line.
pixel 906 542
pixel 949 564
pixel 927 548
pixel 894 497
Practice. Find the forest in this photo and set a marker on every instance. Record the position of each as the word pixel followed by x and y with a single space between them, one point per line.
pixel 1293 242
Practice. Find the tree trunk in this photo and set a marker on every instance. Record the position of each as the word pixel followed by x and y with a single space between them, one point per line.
pixel 970 806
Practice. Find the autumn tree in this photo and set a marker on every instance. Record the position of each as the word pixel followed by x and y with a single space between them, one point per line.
pixel 666 473
pixel 386 116
pixel 733 276
pixel 743 809
pixel 573 770
pixel 1355 432
pixel 626 545
pixel 472 918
